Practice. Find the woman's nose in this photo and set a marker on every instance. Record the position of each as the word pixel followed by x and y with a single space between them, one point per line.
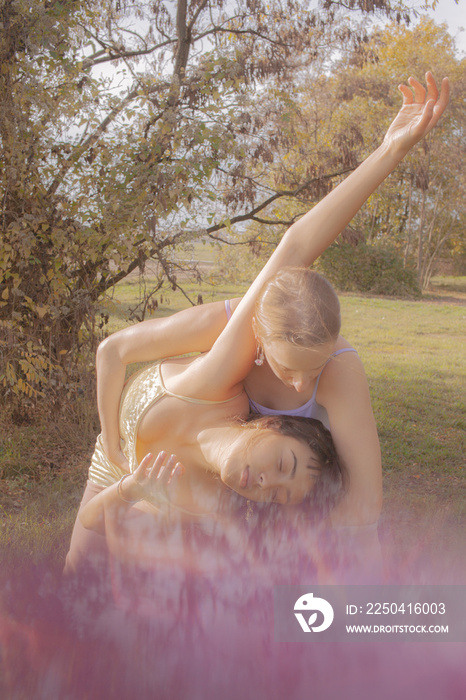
pixel 268 480
pixel 265 481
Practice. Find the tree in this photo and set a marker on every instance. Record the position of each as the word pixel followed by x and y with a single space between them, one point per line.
pixel 98 176
pixel 420 209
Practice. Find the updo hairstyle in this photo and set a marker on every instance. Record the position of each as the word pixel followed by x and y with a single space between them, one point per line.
pixel 299 306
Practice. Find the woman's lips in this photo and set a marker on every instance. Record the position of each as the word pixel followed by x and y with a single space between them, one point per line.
pixel 243 482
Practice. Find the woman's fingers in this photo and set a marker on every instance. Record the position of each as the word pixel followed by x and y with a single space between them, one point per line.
pixel 144 465
pixel 419 90
pixel 425 106
pixel 432 90
pixel 435 106
pixel 426 117
pixel 444 97
pixel 407 94
pixel 155 473
pixel 172 469
pixel 416 92
pixel 164 468
pixel 158 464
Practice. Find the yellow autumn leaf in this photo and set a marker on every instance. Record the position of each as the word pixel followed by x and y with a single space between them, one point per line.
pixel 42 310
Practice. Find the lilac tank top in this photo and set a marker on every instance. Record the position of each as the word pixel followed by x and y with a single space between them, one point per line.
pixel 311 409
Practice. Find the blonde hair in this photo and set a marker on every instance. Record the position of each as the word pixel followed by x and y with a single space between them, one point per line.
pixel 299 306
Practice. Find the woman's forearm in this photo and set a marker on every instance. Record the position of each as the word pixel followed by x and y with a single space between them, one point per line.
pixel 419 114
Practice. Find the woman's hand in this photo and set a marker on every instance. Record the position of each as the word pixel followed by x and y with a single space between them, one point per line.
pixel 419 114
pixel 151 479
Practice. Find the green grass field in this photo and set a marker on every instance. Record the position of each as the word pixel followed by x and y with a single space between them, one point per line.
pixel 413 352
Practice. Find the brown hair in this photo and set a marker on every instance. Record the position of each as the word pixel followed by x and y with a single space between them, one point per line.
pixel 331 476
pixel 299 306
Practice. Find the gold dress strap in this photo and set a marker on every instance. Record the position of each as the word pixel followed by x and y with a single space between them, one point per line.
pixel 190 399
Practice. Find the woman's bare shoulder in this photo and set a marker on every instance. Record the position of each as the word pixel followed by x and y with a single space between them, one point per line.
pixel 344 344
pixel 344 373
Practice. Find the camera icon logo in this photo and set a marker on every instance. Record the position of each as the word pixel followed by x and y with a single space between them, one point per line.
pixel 308 604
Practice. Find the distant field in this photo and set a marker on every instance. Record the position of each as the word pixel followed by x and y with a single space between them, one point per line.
pixel 450 283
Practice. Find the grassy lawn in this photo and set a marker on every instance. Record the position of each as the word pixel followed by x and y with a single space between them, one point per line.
pixel 413 352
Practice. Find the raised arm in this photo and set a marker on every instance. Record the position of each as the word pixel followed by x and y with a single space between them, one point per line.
pixel 230 359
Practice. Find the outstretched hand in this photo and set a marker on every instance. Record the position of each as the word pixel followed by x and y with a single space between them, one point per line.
pixel 153 476
pixel 420 112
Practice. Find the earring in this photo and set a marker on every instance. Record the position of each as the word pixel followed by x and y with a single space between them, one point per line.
pixel 259 356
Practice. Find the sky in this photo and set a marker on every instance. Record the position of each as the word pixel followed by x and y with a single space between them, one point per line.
pixel 449 11
pixel 454 14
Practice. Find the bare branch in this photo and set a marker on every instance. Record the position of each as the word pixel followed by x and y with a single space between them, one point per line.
pixel 114 54
pixel 95 136
pixel 112 279
pixel 196 14
pixel 272 222
pixel 91 140
pixel 253 32
pixel 265 203
pixel 170 277
pixel 110 52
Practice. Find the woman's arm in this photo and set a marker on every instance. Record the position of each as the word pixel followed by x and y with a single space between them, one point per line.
pixel 192 330
pixel 221 372
pixel 344 391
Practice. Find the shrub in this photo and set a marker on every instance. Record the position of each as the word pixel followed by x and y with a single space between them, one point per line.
pixel 372 268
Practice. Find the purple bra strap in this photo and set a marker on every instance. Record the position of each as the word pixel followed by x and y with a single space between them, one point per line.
pixel 334 354
pixel 338 352
pixel 228 308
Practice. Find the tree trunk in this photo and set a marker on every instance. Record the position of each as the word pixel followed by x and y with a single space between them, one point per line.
pixel 409 228
pixel 420 249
